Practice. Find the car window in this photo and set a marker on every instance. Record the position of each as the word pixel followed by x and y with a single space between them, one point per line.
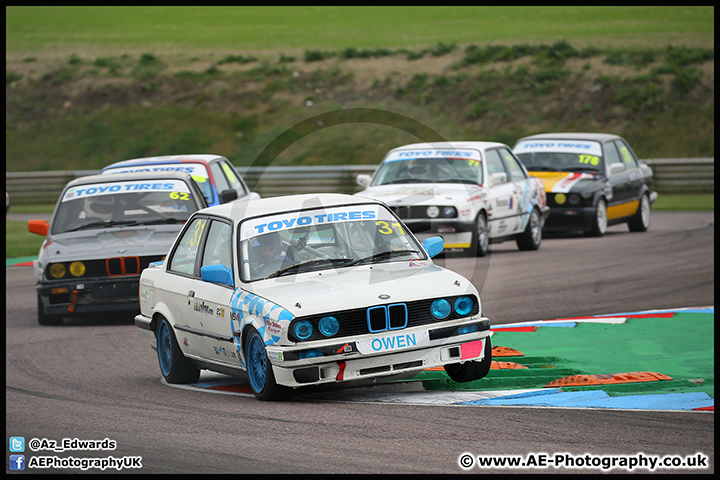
pixel 516 171
pixel 221 182
pixel 611 154
pixel 319 239
pixel 183 258
pixel 132 202
pixel 232 178
pixel 218 245
pixel 560 155
pixel 494 162
pixel 430 166
pixel 626 154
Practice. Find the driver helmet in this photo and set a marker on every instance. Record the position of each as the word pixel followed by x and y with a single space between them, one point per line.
pixel 101 206
pixel 417 169
pixel 267 245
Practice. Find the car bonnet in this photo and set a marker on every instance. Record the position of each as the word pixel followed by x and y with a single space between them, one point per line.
pixel 421 193
pixel 108 243
pixel 359 287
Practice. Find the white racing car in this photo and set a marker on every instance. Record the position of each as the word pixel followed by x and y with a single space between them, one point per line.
pixel 471 194
pixel 307 290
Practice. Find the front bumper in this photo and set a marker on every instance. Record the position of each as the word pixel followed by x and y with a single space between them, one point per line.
pixel 80 297
pixel 344 363
pixel 562 219
pixel 455 234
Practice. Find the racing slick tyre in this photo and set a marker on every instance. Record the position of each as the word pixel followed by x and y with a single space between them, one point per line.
pixel 599 223
pixel 173 364
pixel 43 318
pixel 474 370
pixel 259 370
pixel 480 243
pixel 532 236
pixel 640 222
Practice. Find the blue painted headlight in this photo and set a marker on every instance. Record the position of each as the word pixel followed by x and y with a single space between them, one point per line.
pixel 329 326
pixel 303 329
pixel 440 308
pixel 463 306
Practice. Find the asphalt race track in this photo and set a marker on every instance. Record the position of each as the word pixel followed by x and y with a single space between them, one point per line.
pixel 98 379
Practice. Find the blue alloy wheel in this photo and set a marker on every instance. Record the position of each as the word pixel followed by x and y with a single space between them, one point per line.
pixel 173 364
pixel 164 344
pixel 256 363
pixel 260 372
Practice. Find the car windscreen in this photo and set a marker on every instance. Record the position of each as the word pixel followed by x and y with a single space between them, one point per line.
pixel 126 203
pixel 560 155
pixel 430 166
pixel 198 171
pixel 323 238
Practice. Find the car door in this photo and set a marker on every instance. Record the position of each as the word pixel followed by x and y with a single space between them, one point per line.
pixel 502 215
pixel 523 188
pixel 633 167
pixel 620 176
pixel 210 302
pixel 181 270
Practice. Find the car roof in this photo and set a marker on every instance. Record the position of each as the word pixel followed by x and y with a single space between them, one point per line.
pixel 600 137
pixel 271 205
pixel 477 145
pixel 119 177
pixel 185 158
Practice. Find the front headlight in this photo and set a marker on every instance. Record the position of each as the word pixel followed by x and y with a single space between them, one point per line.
pixel 77 269
pixel 440 308
pixel 463 306
pixel 329 326
pixel 57 270
pixel 574 199
pixel 433 212
pixel 303 329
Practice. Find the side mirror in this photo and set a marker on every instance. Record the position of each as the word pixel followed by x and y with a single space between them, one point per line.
pixel 616 167
pixel 228 195
pixel 498 178
pixel 40 227
pixel 433 246
pixel 219 274
pixel 363 180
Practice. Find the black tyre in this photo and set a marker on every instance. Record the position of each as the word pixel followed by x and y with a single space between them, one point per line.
pixel 259 370
pixel 599 224
pixel 474 370
pixel 531 238
pixel 43 318
pixel 173 364
pixel 480 243
pixel 640 222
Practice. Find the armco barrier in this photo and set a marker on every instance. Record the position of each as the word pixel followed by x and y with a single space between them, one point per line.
pixel 672 175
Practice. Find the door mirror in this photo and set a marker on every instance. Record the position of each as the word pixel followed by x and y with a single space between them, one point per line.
pixel 228 195
pixel 433 246
pixel 363 180
pixel 616 168
pixel 40 227
pixel 219 274
pixel 498 178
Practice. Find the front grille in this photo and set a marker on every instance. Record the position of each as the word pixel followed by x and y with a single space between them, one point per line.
pixel 111 267
pixel 410 212
pixel 381 318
